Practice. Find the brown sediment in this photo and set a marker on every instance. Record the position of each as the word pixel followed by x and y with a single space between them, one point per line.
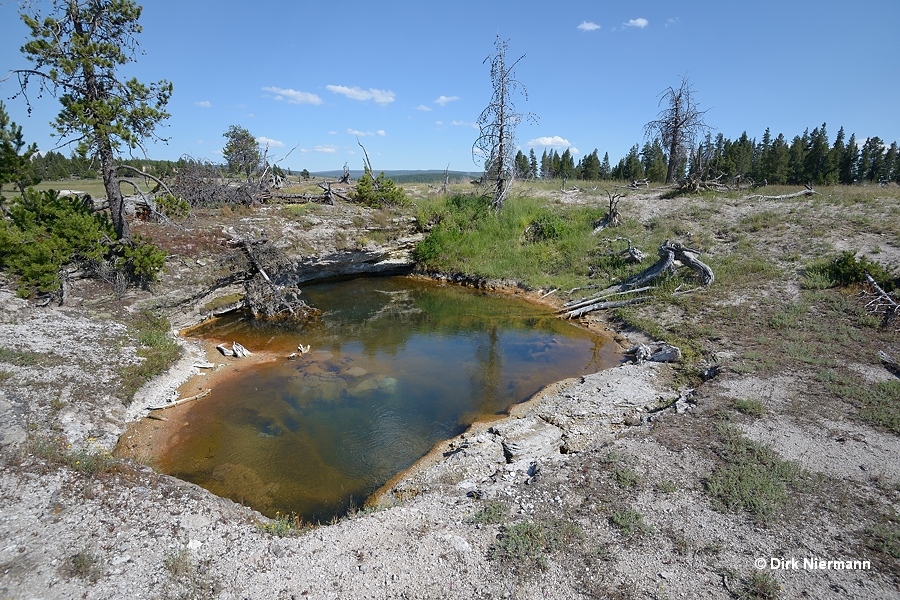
pixel 148 439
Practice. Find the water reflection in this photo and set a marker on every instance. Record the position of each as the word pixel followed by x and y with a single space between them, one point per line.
pixel 396 365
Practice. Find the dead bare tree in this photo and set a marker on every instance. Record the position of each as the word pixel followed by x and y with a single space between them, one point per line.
pixel 678 125
pixel 612 213
pixel 497 124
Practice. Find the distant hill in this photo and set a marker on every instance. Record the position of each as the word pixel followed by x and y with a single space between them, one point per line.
pixel 405 176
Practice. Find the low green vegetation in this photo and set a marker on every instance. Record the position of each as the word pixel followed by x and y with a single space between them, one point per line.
pixel 57 452
pixel 749 406
pixel 629 522
pixel 751 477
pixel 46 234
pixel 157 348
pixel 848 269
pixel 283 525
pixel 84 564
pixel 491 513
pixel 528 543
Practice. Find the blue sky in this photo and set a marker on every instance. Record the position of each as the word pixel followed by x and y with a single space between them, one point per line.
pixel 408 79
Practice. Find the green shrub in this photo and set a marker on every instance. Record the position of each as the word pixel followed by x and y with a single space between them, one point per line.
pixel 141 260
pixel 44 232
pixel 172 207
pixel 752 477
pixel 378 192
pixel 547 225
pixel 846 270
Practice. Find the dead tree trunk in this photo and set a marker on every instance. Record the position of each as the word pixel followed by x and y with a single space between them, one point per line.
pixel 807 192
pixel 669 253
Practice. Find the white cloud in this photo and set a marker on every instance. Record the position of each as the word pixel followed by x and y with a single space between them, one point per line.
pixel 640 23
pixel 464 124
pixel 326 149
pixel 203 104
pixel 673 21
pixel 549 142
pixel 438 122
pixel 355 93
pixel 293 96
pixel 588 26
pixel 422 107
pixel 444 100
pixel 264 141
pixel 359 133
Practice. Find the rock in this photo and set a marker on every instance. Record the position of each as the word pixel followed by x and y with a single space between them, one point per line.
pixel 530 438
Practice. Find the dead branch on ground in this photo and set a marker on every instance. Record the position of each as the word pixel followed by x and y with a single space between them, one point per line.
pixel 807 192
pixel 670 253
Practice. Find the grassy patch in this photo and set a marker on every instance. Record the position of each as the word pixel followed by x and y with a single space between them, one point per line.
pixel 752 477
pixel 884 536
pixel 158 350
pixel 491 513
pixel 667 486
pixel 84 565
pixel 629 522
pixel 753 408
pixel 221 302
pixel 626 477
pixel 528 543
pixel 283 525
pixel 56 452
pixel 20 358
pixel 759 585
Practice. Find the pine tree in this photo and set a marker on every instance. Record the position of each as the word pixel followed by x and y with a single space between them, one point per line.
pixel 546 165
pixel 815 163
pixel 532 163
pixel 605 168
pixel 78 50
pixel 849 163
pixel 835 155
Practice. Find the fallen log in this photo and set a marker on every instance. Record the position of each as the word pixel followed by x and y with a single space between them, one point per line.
pixel 669 253
pixel 889 363
pixel 807 192
pixel 202 394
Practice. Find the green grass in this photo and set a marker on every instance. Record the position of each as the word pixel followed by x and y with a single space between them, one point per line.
pixel 759 585
pixel 751 478
pixel 283 525
pixel 57 452
pixel 157 348
pixel 491 513
pixel 626 477
pixel 750 407
pixel 84 565
pixel 20 358
pixel 92 187
pixel 629 522
pixel 528 543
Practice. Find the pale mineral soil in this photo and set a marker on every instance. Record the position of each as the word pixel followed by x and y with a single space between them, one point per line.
pixel 607 495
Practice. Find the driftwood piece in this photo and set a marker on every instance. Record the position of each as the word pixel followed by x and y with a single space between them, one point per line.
pixel 202 394
pixel 669 253
pixel 807 192
pixel 657 352
pixel 889 362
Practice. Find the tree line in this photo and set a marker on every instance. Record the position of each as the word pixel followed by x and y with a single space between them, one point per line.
pixel 810 158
